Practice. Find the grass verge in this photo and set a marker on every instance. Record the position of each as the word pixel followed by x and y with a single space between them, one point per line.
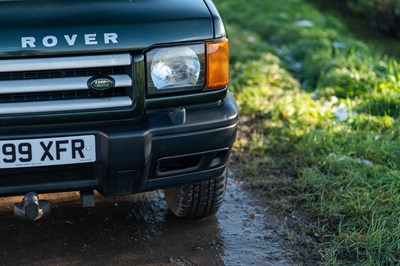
pixel 319 124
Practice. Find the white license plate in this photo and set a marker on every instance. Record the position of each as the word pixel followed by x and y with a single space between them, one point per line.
pixel 47 151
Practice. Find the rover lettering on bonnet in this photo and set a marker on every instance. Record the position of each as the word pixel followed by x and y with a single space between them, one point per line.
pixel 52 41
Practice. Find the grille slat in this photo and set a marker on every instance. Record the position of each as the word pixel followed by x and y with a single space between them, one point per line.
pixel 56 84
pixel 17 65
pixel 64 105
pixel 63 81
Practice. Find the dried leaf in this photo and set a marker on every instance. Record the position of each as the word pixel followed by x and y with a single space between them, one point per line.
pixel 361 237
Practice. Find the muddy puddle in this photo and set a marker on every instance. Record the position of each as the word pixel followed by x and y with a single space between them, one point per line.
pixel 139 230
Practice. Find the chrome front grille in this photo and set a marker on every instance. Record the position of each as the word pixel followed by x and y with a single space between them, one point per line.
pixel 45 85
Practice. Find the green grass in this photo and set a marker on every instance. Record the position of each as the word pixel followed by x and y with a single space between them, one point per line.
pixel 320 109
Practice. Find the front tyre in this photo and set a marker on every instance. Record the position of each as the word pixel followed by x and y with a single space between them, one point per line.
pixel 197 200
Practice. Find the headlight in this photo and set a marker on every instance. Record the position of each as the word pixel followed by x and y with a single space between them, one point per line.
pixel 175 69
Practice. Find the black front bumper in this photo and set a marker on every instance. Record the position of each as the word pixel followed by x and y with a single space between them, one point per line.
pixel 134 155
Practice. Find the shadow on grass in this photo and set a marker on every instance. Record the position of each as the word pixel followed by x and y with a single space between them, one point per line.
pixel 359 27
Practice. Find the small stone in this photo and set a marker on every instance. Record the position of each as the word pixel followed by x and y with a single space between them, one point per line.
pixel 304 23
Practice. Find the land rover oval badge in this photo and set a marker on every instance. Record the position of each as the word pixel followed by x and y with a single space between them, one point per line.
pixel 99 84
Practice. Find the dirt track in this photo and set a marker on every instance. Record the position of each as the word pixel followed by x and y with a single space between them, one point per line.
pixel 139 230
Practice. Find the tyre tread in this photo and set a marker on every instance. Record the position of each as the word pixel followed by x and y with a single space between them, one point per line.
pixel 197 200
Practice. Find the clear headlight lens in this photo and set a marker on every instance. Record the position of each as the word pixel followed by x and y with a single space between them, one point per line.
pixel 178 68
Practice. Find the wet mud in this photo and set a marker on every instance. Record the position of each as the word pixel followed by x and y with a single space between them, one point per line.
pixel 139 230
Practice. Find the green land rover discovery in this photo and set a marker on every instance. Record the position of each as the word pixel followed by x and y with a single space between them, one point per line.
pixel 121 97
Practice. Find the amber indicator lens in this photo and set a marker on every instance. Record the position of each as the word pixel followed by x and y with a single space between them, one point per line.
pixel 217 64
